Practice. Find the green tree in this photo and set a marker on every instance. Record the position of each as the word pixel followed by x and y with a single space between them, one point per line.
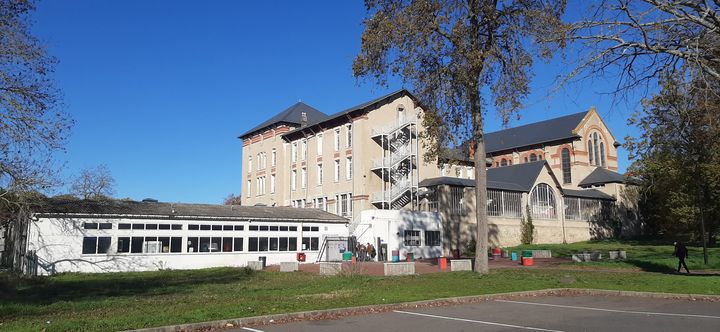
pixel 460 55
pixel 677 156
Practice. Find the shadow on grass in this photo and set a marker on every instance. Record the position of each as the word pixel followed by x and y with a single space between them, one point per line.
pixel 84 286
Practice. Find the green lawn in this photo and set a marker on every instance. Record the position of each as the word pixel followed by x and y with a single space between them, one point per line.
pixel 648 257
pixel 104 302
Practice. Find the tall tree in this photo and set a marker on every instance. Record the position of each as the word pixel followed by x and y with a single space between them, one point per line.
pixel 93 183
pixel 459 55
pixel 677 156
pixel 32 127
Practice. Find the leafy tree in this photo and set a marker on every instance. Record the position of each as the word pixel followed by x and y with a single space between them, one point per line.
pixel 527 229
pixel 232 199
pixel 94 183
pixel 459 55
pixel 678 154
pixel 32 126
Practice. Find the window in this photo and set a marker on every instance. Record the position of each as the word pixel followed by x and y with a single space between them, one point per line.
pixel 293 180
pixel 526 159
pixel 123 245
pixel 337 139
pixel 602 156
pixel 319 174
pixel 96 245
pixel 164 226
pixel 263 244
pixel 177 227
pixel 249 163
pixel 272 183
pixel 565 156
pixel 123 226
pixel 533 157
pixel 320 203
pixel 303 149
pixel 504 203
pixel 138 226
pixel 253 244
pixel 273 157
pixel 151 226
pixel 503 162
pixel 259 161
pixel 239 227
pixel 253 228
pixel 247 188
pixel 542 202
pixel 90 225
pixel 136 244
pixel 273 228
pixel 227 244
pixel 193 227
pixel 215 244
pixel 337 170
pixel 319 141
pixel 310 243
pixel 412 238
pixel 348 136
pixel 343 205
pixel 432 238
pixel 204 227
pixel 303 178
pixel 293 152
pixel 590 152
pixel 238 244
pixel 348 168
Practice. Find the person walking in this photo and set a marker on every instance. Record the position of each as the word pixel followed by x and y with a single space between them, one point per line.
pixel 681 253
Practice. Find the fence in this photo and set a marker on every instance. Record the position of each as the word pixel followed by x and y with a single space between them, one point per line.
pixel 504 203
pixel 577 208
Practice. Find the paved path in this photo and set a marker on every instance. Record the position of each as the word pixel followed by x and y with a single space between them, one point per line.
pixel 555 314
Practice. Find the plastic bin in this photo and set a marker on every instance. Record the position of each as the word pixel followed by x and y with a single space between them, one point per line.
pixel 527 261
pixel 527 253
pixel 347 256
pixel 514 256
pixel 443 263
pixel 409 257
pixel 395 255
pixel 300 257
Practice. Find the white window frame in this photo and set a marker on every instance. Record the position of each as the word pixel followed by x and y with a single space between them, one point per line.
pixel 319 139
pixel 337 170
pixel 273 157
pixel 337 139
pixel 348 168
pixel 303 149
pixel 293 180
pixel 303 177
pixel 249 188
pixel 348 135
pixel 250 164
pixel 319 174
pixel 272 183
pixel 293 151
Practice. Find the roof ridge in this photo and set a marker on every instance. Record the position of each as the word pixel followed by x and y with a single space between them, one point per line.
pixel 538 122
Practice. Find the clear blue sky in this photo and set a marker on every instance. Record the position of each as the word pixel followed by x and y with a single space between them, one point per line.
pixel 160 90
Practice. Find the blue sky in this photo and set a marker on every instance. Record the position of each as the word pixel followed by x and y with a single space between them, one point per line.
pixel 160 90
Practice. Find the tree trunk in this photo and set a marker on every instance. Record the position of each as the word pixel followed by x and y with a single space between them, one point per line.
pixel 481 247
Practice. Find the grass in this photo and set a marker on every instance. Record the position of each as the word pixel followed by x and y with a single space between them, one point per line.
pixel 116 301
pixel 645 256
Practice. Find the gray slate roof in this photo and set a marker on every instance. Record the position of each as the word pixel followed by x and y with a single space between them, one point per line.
pixel 292 115
pixel 534 133
pixel 520 177
pixel 587 193
pixel 601 176
pixel 360 107
pixel 164 210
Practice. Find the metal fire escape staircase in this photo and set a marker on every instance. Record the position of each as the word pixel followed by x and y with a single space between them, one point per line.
pixel 398 167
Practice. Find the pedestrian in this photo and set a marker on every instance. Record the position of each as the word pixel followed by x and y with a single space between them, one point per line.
pixel 681 253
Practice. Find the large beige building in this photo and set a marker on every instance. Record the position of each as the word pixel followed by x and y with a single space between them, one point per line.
pixel 370 157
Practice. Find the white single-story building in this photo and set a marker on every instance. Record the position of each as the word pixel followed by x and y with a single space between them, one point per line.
pixel 118 235
pixel 417 232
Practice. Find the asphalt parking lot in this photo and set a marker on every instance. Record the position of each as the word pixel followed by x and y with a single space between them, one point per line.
pixel 569 313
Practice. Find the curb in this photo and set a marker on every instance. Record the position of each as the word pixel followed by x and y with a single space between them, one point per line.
pixel 377 308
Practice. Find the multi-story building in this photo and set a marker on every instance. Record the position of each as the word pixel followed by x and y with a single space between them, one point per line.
pixel 370 157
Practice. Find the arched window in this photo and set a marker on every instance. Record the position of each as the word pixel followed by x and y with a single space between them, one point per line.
pixel 503 162
pixel 533 157
pixel 567 175
pixel 596 150
pixel 542 202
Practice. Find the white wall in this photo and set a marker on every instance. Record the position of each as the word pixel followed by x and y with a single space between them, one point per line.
pixel 58 244
pixel 389 226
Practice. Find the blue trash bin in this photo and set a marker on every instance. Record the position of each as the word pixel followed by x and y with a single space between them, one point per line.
pixel 513 256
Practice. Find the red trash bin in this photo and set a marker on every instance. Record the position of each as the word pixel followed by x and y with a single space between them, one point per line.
pixel 301 257
pixel 443 263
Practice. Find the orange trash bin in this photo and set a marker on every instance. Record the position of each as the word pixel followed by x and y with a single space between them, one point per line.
pixel 443 263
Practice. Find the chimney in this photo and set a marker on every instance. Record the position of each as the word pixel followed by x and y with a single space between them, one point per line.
pixel 303 119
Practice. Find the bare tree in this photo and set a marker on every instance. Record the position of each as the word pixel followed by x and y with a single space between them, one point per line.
pixel 94 183
pixel 232 199
pixel 31 126
pixel 458 55
pixel 645 39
